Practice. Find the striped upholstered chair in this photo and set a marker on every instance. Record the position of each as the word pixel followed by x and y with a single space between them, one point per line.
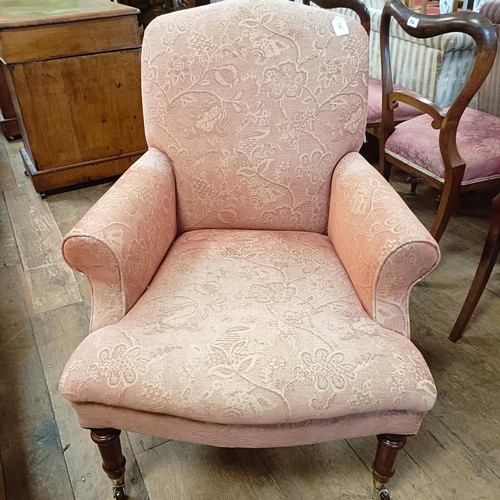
pixel 251 272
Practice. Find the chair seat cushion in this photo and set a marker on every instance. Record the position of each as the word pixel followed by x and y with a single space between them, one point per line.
pixel 250 327
pixel 478 142
pixel 401 113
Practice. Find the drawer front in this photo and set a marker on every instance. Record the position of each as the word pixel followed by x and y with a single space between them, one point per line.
pixel 35 43
pixel 80 109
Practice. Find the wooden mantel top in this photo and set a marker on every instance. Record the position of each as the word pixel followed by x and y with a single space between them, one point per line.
pixel 18 13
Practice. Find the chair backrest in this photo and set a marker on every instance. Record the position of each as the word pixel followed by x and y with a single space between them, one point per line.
pixel 421 26
pixel 489 93
pixel 254 102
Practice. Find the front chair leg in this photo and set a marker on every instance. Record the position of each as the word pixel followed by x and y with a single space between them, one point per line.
pixel 383 465
pixel 113 461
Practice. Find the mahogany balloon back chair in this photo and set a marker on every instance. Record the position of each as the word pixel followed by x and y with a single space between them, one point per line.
pixel 454 149
pixel 251 272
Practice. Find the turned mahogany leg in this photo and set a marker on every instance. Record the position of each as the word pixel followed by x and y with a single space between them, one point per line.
pixel 113 461
pixel 486 264
pixel 383 466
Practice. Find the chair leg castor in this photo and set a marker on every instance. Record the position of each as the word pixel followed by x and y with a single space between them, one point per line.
pixel 119 492
pixel 381 493
pixel 384 463
pixel 113 461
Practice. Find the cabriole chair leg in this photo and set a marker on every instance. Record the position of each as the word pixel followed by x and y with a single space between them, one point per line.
pixel 113 461
pixel 383 466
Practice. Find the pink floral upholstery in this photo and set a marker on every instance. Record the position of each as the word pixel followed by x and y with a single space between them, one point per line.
pixel 250 327
pixel 121 241
pixel 254 104
pixel 381 244
pixel 222 312
pixel 401 113
pixel 478 142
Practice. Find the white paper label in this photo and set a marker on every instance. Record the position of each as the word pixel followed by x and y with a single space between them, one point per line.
pixel 412 21
pixel 340 26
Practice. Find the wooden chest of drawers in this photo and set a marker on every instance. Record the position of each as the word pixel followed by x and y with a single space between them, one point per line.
pixel 74 76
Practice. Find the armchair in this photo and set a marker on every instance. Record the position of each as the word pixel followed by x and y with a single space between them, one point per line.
pixel 251 273
pixel 454 149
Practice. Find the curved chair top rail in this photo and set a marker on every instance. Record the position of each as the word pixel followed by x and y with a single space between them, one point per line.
pixel 423 26
pixel 356 5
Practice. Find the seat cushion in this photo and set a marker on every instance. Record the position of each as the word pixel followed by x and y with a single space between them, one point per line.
pixel 250 327
pixel 401 113
pixel 478 142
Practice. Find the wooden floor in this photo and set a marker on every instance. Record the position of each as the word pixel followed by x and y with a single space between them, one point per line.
pixel 44 310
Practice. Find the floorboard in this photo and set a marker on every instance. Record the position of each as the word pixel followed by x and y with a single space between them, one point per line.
pixel 30 451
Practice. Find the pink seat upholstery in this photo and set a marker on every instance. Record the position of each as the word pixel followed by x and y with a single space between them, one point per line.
pixel 478 142
pixel 251 273
pixel 253 292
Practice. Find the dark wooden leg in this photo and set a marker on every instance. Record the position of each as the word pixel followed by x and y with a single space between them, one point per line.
pixel 413 181
pixel 383 465
pixel 113 461
pixel 448 202
pixel 384 167
pixel 486 264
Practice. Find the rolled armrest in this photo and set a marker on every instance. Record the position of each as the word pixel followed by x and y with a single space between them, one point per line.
pixel 382 245
pixel 123 238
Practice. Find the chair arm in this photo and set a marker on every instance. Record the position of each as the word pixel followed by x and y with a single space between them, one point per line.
pixel 123 238
pixel 382 245
pixel 423 104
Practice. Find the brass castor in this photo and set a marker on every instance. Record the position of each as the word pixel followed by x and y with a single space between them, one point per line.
pixel 119 488
pixel 119 492
pixel 381 493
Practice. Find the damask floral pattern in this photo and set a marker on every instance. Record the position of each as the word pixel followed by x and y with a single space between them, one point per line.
pixel 119 366
pixel 231 332
pixel 247 88
pixel 383 246
pixel 121 241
